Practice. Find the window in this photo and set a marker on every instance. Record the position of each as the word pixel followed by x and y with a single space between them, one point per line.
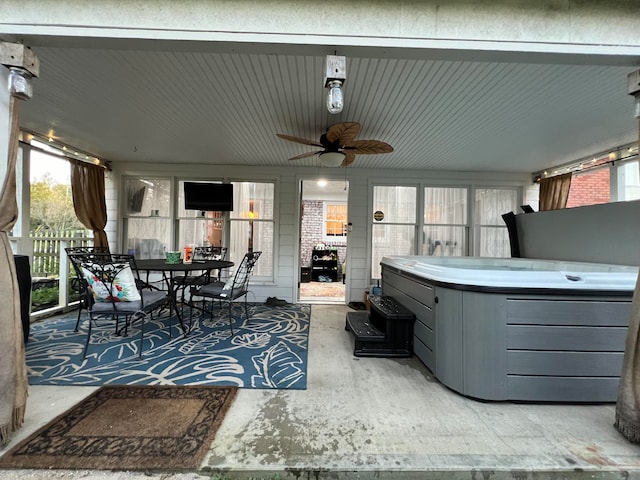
pixel 605 177
pixel 614 182
pixel 445 221
pixel 198 227
pixel 628 180
pixel 149 221
pixel 334 227
pixel 53 226
pixel 393 223
pixel 248 227
pixel 252 225
pixel 491 238
pixel 147 217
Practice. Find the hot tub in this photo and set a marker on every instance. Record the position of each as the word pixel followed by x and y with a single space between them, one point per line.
pixel 517 329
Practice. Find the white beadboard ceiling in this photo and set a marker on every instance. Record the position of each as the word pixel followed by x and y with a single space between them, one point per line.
pixel 198 105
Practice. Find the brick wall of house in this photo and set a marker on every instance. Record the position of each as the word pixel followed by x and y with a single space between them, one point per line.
pixel 311 229
pixel 589 188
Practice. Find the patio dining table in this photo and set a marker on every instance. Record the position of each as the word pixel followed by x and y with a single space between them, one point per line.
pixel 168 271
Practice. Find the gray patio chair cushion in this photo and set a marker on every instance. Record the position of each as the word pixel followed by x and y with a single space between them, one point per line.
pixel 151 299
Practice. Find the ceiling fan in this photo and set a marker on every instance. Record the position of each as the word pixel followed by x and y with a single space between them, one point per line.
pixel 339 145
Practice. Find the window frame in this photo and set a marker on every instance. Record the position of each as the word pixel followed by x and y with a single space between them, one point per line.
pixel 466 226
pixel 478 227
pixel 472 227
pixel 414 225
pixel 176 218
pixel 163 218
pixel 619 189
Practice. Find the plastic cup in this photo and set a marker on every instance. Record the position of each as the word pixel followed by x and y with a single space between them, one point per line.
pixel 188 255
pixel 173 258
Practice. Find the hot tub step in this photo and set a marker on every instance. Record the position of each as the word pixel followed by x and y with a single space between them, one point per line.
pixel 369 341
pixel 363 330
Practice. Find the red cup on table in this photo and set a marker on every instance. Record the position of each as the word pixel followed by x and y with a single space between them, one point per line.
pixel 188 255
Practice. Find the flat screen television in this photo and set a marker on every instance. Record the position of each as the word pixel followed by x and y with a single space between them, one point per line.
pixel 208 197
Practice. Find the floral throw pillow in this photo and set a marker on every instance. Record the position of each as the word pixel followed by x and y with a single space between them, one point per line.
pixel 123 287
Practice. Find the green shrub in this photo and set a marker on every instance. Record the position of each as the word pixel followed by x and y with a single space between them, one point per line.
pixel 43 298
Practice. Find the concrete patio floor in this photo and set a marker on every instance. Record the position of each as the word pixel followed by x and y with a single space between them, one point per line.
pixel 380 418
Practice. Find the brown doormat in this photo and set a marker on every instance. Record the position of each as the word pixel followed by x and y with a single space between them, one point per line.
pixel 127 427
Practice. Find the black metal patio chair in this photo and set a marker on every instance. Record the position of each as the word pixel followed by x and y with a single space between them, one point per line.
pixel 111 281
pixel 75 254
pixel 237 286
pixel 182 282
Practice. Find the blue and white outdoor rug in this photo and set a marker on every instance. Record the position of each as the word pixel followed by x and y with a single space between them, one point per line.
pixel 269 350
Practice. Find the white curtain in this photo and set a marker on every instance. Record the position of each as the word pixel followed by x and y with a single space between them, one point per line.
pixel 395 233
pixel 445 221
pixel 148 225
pixel 239 241
pixel 491 235
pixel 252 224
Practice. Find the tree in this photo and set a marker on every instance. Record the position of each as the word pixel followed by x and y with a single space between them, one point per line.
pixel 52 206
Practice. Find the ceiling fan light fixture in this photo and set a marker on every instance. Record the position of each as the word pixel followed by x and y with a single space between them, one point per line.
pixel 331 159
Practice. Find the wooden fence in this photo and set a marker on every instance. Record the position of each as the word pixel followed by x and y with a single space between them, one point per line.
pixel 47 249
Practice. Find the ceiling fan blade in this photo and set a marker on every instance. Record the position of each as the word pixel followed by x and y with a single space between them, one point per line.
pixel 344 132
pixel 349 157
pixel 304 141
pixel 305 155
pixel 368 147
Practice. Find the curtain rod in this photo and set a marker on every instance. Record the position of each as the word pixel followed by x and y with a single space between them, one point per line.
pixel 61 149
pixel 622 153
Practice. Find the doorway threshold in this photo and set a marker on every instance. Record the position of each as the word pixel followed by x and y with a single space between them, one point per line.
pixel 322 300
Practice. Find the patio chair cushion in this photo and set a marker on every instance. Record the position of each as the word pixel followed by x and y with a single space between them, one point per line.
pixel 123 288
pixel 214 289
pixel 150 299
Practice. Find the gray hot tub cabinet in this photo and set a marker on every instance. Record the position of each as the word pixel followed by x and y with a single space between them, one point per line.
pixel 515 346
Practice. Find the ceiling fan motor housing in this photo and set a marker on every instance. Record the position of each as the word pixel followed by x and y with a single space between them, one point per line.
pixel 329 146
